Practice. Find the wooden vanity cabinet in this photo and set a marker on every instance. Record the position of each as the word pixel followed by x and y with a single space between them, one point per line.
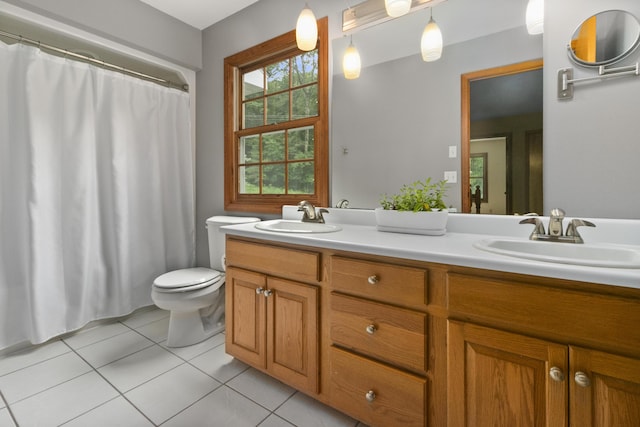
pixel 518 353
pixel 394 342
pixel 273 322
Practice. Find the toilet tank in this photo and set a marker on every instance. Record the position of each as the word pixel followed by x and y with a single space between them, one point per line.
pixel 216 237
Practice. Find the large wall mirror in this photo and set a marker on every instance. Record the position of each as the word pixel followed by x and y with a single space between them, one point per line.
pixel 397 122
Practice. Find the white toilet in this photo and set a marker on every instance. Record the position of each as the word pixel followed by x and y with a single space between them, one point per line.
pixel 195 296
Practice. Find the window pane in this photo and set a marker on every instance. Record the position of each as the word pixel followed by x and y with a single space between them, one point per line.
pixel 253 113
pixel 253 84
pixel 273 147
pixel 278 76
pixel 477 166
pixel 305 102
pixel 301 143
pixel 301 178
pixel 305 68
pixel 278 108
pixel 249 180
pixel 249 149
pixel 273 179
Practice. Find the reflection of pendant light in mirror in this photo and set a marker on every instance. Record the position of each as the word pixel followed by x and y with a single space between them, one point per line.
pixel 306 30
pixel 397 8
pixel 431 42
pixel 351 62
pixel 535 16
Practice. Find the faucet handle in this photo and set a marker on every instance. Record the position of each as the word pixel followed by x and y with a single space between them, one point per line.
pixel 319 213
pixel 537 230
pixel 572 229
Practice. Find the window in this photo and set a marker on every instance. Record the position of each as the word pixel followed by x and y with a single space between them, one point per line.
pixel 478 175
pixel 276 125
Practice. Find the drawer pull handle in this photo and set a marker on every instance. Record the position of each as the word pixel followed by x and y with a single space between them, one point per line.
pixel 371 329
pixel 268 293
pixel 259 291
pixel 582 379
pixel 370 396
pixel 556 374
pixel 373 279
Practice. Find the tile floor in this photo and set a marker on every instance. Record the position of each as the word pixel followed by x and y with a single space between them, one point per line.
pixel 121 374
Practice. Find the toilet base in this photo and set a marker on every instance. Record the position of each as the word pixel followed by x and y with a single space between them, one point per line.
pixel 188 328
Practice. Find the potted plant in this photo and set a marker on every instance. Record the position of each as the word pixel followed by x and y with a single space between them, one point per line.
pixel 418 208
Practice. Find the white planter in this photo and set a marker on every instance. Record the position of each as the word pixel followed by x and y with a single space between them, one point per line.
pixel 428 223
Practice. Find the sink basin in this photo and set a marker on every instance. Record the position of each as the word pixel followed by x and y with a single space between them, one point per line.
pixel 565 253
pixel 292 226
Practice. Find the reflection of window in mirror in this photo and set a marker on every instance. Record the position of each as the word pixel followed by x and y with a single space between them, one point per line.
pixel 478 175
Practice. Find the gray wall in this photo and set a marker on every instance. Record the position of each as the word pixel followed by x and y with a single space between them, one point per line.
pixel 129 22
pixel 591 143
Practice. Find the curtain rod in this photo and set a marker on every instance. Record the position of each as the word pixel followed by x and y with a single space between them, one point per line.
pixel 182 86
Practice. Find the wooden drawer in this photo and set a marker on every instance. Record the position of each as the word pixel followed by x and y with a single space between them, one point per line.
pixel 400 398
pixel 387 283
pixel 391 334
pixel 595 320
pixel 293 263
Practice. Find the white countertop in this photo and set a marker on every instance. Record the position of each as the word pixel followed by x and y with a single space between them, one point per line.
pixel 456 246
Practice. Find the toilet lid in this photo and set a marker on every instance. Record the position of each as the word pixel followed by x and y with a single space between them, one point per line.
pixel 187 277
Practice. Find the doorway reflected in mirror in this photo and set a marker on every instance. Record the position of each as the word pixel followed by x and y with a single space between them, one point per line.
pixel 502 117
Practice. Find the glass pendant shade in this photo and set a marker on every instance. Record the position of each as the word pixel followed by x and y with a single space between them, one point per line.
pixel 535 16
pixel 306 30
pixel 431 42
pixel 397 8
pixel 351 63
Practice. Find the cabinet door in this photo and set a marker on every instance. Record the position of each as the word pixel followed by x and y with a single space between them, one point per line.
pixel 245 316
pixel 605 389
pixel 292 333
pixel 500 379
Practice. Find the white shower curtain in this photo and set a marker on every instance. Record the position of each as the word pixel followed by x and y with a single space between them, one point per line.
pixel 96 192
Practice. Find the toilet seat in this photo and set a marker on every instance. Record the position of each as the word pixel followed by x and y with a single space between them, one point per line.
pixel 188 279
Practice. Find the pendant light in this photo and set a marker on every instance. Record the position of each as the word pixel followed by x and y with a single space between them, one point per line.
pixel 535 16
pixel 306 29
pixel 431 42
pixel 351 62
pixel 397 8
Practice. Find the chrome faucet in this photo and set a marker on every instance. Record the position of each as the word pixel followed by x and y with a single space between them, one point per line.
pixel 554 233
pixel 310 213
pixel 342 204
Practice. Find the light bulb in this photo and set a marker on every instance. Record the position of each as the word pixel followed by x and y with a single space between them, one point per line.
pixel 431 42
pixel 397 8
pixel 306 30
pixel 351 62
pixel 535 16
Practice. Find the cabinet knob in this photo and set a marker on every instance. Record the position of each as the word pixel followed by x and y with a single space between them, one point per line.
pixel 373 279
pixel 556 374
pixel 370 396
pixel 582 379
pixel 259 291
pixel 371 329
pixel 267 293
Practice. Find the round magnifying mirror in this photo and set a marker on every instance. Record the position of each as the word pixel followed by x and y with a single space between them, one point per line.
pixel 605 38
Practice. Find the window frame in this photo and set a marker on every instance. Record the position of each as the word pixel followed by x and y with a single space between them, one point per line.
pixel 266 52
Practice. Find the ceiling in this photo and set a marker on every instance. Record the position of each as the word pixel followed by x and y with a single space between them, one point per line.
pixel 506 96
pixel 199 13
